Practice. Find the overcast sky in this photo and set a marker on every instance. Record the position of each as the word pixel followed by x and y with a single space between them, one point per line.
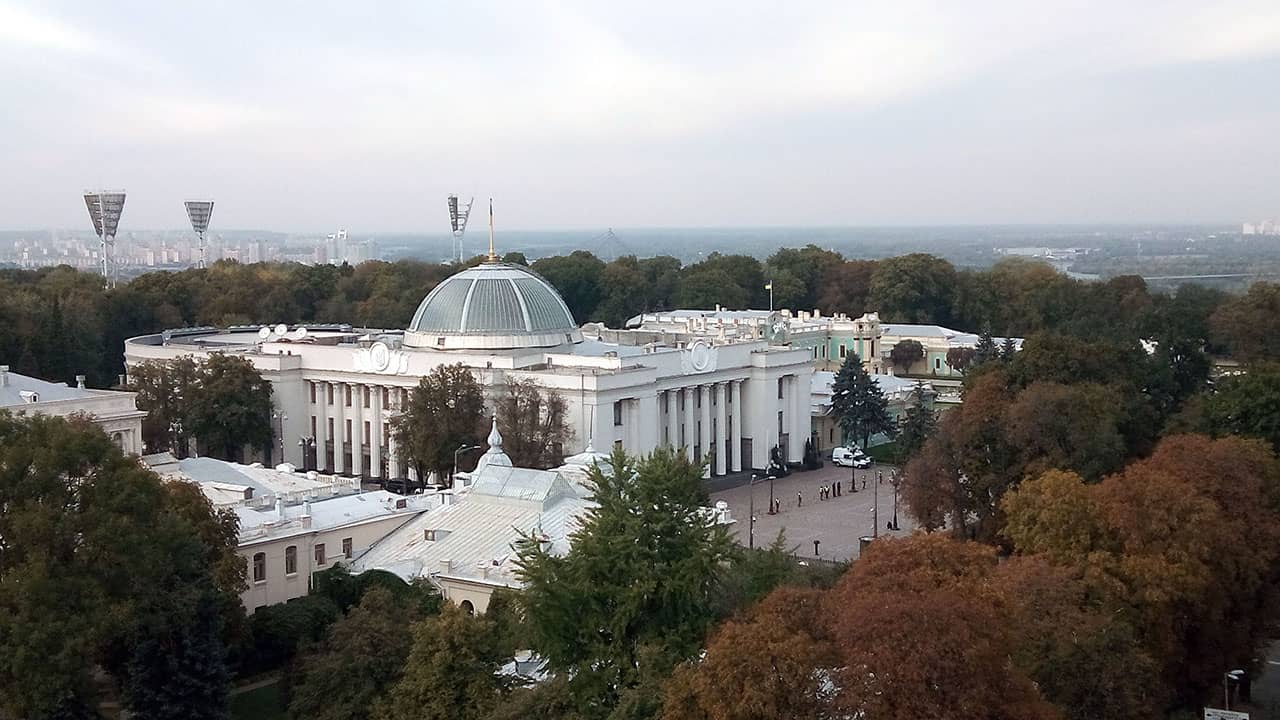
pixel 313 115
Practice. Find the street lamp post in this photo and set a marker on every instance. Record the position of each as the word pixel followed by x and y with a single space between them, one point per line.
pixel 751 512
pixel 1227 677
pixel 459 451
pixel 893 480
pixel 875 505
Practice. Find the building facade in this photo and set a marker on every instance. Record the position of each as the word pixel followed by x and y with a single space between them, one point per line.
pixel 336 388
pixel 115 412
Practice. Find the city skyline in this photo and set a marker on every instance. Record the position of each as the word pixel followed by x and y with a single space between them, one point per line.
pixel 575 116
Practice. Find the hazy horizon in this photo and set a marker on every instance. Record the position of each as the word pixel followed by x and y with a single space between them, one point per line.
pixel 580 116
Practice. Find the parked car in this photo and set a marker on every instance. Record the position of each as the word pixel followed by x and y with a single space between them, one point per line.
pixel 850 457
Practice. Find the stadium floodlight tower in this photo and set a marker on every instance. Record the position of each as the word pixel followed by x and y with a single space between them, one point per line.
pixel 458 215
pixel 105 207
pixel 199 211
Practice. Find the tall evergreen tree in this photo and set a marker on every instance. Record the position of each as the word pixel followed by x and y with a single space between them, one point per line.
pixel 986 349
pixel 917 424
pixel 1007 349
pixel 858 403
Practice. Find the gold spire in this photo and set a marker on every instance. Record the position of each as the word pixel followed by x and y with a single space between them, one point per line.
pixel 493 256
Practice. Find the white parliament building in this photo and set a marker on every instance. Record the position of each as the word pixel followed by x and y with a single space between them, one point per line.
pixel 730 397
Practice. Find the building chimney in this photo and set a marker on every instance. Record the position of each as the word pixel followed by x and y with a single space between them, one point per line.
pixel 280 507
pixel 80 381
pixel 445 565
pixel 4 375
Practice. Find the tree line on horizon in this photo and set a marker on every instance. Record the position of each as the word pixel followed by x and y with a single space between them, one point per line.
pixel 56 323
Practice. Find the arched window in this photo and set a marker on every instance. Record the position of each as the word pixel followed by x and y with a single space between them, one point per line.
pixel 291 560
pixel 259 567
pixel 467 607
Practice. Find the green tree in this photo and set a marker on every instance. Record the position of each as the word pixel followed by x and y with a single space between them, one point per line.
pixel 450 673
pixel 1249 325
pixel 101 566
pixel 986 350
pixel 916 288
pixel 858 403
pixel 577 278
pixel 906 353
pixel 917 424
pixel 1007 349
pixel 961 358
pixel 797 275
pixel 1246 405
pixel 445 412
pixel 846 287
pixel 367 649
pixel 230 406
pixel 166 391
pixel 532 420
pixel 637 590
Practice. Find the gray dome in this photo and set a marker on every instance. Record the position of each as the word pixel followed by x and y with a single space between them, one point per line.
pixel 492 306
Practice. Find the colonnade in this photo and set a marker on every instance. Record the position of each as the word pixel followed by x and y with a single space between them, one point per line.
pixel 707 419
pixel 350 419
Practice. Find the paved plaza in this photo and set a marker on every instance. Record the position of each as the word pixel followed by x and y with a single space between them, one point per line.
pixel 836 523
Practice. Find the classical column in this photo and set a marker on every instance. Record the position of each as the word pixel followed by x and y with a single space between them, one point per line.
pixel 322 426
pixel 690 424
pixel 339 428
pixel 704 440
pixel 357 430
pixel 720 434
pixel 395 470
pixel 375 429
pixel 673 418
pixel 800 423
pixel 735 426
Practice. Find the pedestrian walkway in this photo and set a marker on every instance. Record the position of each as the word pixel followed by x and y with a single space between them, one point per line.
pixel 835 522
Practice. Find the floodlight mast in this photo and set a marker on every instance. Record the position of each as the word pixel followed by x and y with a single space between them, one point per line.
pixel 105 207
pixel 458 215
pixel 199 212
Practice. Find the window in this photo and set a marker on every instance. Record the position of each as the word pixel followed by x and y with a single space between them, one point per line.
pixel 291 560
pixel 313 426
pixel 367 432
pixel 780 388
pixel 699 394
pixel 313 392
pixel 329 391
pixel 319 553
pixel 937 364
pixel 617 413
pixel 429 535
pixel 330 428
pixel 386 397
pixel 346 394
pixel 666 403
pixel 346 548
pixel 780 433
pixel 259 567
pixel 617 444
pixel 348 437
pixel 364 390
pixel 842 350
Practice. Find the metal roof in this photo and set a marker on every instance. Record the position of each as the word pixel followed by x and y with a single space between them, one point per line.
pixel 493 298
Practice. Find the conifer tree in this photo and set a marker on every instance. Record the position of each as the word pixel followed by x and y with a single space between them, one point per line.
pixel 858 403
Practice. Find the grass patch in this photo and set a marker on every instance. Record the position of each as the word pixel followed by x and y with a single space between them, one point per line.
pixel 264 703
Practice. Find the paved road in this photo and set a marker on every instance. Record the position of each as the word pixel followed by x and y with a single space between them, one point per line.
pixel 836 523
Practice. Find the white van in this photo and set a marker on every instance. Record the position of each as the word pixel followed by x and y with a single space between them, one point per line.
pixel 849 457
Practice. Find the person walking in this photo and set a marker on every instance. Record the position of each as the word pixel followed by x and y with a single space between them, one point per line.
pixel 799 499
